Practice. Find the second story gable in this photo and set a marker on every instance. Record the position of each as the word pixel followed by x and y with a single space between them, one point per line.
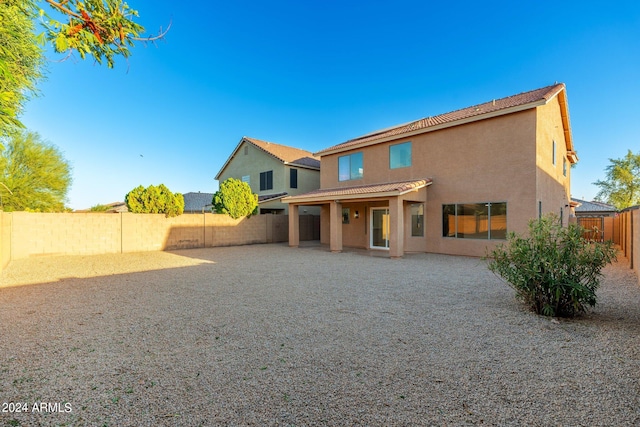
pixel 474 140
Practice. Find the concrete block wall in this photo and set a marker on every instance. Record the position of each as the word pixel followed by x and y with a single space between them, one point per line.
pixel 27 234
pixel 64 234
pixel 5 239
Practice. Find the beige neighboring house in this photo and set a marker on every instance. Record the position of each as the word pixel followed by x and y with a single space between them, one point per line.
pixel 273 171
pixel 454 183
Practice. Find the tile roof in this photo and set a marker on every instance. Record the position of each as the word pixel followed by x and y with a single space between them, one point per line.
pixel 495 106
pixel 268 197
pixel 196 202
pixel 361 191
pixel 286 154
pixel 593 206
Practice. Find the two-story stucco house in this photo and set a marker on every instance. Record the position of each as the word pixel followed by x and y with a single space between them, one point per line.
pixel 454 183
pixel 273 171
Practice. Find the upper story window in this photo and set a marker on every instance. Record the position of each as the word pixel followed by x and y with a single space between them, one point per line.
pixel 400 155
pixel 293 178
pixel 350 167
pixel 266 180
pixel 247 179
pixel 553 153
pixel 564 166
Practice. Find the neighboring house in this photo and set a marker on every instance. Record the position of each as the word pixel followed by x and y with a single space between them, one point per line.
pixel 273 171
pixel 198 202
pixel 597 218
pixel 455 183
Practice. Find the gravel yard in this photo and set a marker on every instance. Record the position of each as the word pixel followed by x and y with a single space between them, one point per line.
pixel 270 335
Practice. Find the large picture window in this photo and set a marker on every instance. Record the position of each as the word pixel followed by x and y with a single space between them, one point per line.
pixel 400 155
pixel 475 220
pixel 266 180
pixel 350 167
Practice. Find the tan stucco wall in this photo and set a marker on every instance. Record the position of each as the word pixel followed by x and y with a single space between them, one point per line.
pixel 257 161
pixel 492 160
pixel 554 189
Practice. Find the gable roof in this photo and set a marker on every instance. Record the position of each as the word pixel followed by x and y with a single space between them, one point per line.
pixel 285 154
pixel 593 206
pixel 494 108
pixel 387 189
pixel 196 202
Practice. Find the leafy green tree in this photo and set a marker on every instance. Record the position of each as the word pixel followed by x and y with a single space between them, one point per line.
pixel 155 199
pixel 34 175
pixel 21 62
pixel 235 199
pixel 621 188
pixel 554 270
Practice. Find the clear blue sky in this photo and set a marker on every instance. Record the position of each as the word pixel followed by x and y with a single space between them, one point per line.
pixel 312 74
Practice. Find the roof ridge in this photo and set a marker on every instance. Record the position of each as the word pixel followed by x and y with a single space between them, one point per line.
pixel 496 104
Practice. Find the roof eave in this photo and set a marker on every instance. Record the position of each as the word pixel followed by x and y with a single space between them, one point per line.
pixel 233 153
pixel 566 125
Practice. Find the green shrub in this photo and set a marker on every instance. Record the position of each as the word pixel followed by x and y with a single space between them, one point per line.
pixel 235 199
pixel 155 200
pixel 554 270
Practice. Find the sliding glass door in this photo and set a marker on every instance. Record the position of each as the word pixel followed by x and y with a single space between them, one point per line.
pixel 379 228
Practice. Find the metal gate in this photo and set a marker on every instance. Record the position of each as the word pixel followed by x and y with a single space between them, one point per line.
pixel 593 228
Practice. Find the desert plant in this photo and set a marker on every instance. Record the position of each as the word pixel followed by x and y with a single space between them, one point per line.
pixel 235 199
pixel 155 200
pixel 99 208
pixel 554 270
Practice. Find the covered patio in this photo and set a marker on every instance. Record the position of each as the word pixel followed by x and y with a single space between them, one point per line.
pixel 384 210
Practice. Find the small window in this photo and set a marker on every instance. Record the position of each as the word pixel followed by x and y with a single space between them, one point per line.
pixel 564 166
pixel 293 178
pixel 246 150
pixel 266 180
pixel 400 155
pixel 553 153
pixel 417 220
pixel 350 167
pixel 246 178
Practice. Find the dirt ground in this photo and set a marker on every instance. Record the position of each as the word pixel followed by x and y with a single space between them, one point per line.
pixel 272 335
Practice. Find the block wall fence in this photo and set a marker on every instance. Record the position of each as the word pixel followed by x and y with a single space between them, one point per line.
pixel 27 234
pixel 629 229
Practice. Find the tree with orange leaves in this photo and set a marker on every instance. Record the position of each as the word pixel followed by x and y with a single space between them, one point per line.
pixel 102 29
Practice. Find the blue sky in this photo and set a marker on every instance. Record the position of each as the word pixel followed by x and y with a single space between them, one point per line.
pixel 312 74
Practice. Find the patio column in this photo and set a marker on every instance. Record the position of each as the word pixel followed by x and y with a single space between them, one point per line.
pixel 294 226
pixel 335 226
pixel 396 227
